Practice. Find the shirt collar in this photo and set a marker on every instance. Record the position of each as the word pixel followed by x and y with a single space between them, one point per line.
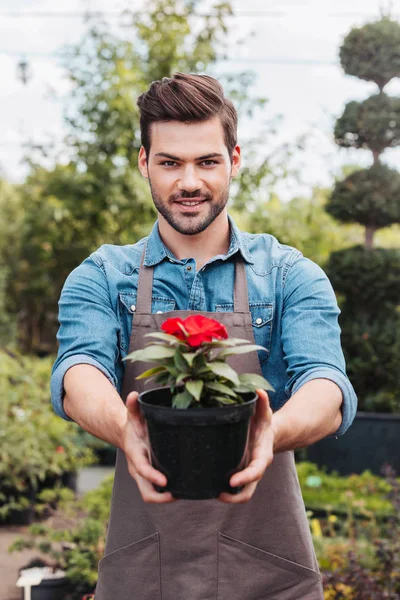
pixel 157 251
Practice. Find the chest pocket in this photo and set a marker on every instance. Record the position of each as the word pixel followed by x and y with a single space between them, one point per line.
pixel 262 314
pixel 126 309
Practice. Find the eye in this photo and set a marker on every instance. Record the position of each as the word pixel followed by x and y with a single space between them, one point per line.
pixel 208 163
pixel 168 163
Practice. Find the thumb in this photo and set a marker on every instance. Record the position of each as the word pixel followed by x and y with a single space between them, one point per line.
pixel 263 409
pixel 132 404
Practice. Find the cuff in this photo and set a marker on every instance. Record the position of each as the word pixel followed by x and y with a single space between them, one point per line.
pixel 349 404
pixel 57 380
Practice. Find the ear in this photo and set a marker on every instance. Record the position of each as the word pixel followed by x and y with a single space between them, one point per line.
pixel 236 161
pixel 142 162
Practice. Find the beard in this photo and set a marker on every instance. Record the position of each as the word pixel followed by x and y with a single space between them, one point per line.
pixel 190 223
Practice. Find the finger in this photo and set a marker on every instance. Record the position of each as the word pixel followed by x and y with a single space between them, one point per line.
pixel 149 494
pixel 243 496
pixel 263 410
pixel 251 474
pixel 141 464
pixel 261 457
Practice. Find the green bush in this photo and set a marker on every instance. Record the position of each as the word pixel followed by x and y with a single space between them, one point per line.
pixel 359 494
pixel 35 444
pixel 369 196
pixel 373 124
pixel 372 52
pixel 369 279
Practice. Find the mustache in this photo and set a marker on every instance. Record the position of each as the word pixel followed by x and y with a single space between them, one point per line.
pixel 184 195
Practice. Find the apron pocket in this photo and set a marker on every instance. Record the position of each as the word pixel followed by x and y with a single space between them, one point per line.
pixel 249 573
pixel 131 572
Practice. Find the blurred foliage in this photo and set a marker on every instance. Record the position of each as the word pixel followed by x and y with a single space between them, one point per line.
pixel 373 124
pixel 367 278
pixel 370 570
pixel 35 445
pixel 377 281
pixel 96 193
pixel 364 495
pixel 369 196
pixel 78 543
pixel 302 223
pixel 372 52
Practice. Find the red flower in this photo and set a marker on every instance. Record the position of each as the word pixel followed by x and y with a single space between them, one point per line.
pixel 199 329
pixel 60 450
pixel 171 326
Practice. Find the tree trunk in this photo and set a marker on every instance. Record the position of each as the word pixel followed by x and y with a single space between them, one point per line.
pixel 369 236
pixel 376 154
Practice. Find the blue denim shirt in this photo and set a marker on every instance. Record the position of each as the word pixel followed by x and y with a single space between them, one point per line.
pixel 292 303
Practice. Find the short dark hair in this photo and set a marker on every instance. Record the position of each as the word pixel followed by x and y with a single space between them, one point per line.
pixel 187 98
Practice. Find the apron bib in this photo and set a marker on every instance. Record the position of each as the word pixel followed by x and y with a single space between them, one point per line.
pixel 205 549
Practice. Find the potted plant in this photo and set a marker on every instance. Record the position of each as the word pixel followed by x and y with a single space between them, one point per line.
pixel 44 581
pixel 198 421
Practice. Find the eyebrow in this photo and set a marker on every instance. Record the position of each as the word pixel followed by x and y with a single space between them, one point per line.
pixel 204 157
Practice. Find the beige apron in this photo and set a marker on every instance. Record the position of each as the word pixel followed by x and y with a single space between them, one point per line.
pixel 205 549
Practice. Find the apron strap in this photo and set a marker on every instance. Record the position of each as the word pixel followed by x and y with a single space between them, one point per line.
pixel 240 293
pixel 145 287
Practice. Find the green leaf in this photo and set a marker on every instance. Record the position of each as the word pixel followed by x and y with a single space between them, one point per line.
pixel 180 378
pixel 240 350
pixel 180 362
pixel 150 353
pixel 195 388
pixel 227 343
pixel 163 378
pixel 255 381
pixel 224 400
pixel 171 339
pixel 220 387
pixel 189 357
pixel 182 400
pixel 151 372
pixel 224 370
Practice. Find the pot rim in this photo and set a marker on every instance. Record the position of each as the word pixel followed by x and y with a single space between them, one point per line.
pixel 195 413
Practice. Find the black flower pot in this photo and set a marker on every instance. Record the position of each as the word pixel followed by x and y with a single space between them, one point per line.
pixel 50 589
pixel 197 449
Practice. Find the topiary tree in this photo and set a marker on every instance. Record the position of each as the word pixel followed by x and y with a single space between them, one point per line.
pixel 368 278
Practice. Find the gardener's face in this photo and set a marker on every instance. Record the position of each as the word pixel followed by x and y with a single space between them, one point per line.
pixel 189 171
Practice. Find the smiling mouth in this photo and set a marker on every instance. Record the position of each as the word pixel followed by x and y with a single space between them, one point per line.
pixel 190 202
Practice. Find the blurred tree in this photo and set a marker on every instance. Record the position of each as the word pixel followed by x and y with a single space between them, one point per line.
pixel 11 220
pixel 368 278
pixel 304 224
pixel 97 195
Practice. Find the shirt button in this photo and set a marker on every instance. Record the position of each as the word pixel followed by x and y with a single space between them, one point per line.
pixel 132 307
pixel 159 312
pixel 259 321
pixel 188 268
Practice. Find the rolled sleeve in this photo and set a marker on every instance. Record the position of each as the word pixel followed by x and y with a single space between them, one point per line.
pixel 349 404
pixel 311 335
pixel 89 328
pixel 57 380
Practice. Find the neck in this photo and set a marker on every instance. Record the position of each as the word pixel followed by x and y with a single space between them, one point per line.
pixel 203 246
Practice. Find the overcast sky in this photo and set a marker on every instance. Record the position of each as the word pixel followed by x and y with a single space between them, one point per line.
pixel 301 77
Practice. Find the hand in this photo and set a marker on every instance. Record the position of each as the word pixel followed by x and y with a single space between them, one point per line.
pixel 137 451
pixel 260 449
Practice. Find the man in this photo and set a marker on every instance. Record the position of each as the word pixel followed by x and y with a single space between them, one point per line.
pixel 255 544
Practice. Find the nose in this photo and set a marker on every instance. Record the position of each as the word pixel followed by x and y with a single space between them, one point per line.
pixel 189 180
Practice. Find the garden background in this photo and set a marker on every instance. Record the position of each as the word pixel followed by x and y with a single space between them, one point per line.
pixel 73 194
